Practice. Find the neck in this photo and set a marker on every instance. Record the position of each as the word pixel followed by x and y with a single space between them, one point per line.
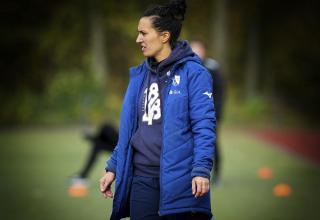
pixel 164 53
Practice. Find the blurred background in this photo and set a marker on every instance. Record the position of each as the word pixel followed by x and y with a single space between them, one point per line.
pixel 64 70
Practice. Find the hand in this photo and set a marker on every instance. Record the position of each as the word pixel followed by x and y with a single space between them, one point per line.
pixel 200 186
pixel 105 184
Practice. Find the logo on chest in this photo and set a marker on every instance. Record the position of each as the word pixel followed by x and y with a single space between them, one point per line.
pixel 154 104
pixel 176 80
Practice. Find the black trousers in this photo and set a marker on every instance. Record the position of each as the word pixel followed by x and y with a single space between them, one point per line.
pixel 144 202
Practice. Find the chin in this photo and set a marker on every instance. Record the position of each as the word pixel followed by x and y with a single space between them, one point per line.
pixel 146 54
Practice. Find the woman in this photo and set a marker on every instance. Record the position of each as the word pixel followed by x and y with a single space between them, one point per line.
pixel 162 162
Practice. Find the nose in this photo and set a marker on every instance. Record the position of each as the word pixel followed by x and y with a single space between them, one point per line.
pixel 139 38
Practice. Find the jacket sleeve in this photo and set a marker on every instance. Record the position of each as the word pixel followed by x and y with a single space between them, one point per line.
pixel 111 163
pixel 203 121
pixel 126 127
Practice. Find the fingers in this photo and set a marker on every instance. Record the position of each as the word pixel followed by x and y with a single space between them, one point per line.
pixel 106 190
pixel 200 186
pixel 105 187
pixel 193 186
pixel 108 193
pixel 204 187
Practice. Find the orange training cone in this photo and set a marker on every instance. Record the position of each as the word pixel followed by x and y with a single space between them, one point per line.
pixel 265 173
pixel 78 190
pixel 282 190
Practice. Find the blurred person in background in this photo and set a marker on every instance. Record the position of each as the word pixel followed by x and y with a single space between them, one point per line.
pixel 104 140
pixel 218 96
pixel 163 160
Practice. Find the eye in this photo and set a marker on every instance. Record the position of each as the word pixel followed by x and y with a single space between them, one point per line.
pixel 142 33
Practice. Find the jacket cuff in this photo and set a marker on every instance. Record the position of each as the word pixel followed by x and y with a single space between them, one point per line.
pixel 110 167
pixel 200 171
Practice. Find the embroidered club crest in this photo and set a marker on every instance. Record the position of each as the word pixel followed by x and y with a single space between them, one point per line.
pixel 176 80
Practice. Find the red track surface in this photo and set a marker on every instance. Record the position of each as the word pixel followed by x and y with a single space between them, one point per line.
pixel 300 142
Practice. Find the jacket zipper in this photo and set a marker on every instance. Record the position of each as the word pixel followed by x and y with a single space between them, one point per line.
pixel 136 120
pixel 137 103
pixel 163 123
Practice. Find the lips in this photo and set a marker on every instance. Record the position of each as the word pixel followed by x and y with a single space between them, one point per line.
pixel 143 48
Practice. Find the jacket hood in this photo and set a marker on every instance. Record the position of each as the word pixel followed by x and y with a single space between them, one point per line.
pixel 180 54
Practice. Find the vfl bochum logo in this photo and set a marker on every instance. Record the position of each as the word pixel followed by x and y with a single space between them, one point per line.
pixel 176 80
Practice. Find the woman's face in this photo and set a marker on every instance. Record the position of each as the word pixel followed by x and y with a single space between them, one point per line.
pixel 150 40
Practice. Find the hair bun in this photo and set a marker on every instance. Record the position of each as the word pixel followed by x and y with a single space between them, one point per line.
pixel 178 9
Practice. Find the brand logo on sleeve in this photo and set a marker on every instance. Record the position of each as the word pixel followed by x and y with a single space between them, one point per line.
pixel 209 94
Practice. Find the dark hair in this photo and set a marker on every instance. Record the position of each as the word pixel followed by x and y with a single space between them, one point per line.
pixel 168 17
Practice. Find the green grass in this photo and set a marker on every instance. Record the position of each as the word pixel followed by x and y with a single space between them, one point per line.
pixel 35 164
pixel 242 195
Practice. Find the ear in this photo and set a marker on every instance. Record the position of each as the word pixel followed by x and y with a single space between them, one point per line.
pixel 165 36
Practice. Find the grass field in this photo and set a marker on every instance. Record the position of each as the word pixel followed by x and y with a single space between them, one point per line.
pixel 35 164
